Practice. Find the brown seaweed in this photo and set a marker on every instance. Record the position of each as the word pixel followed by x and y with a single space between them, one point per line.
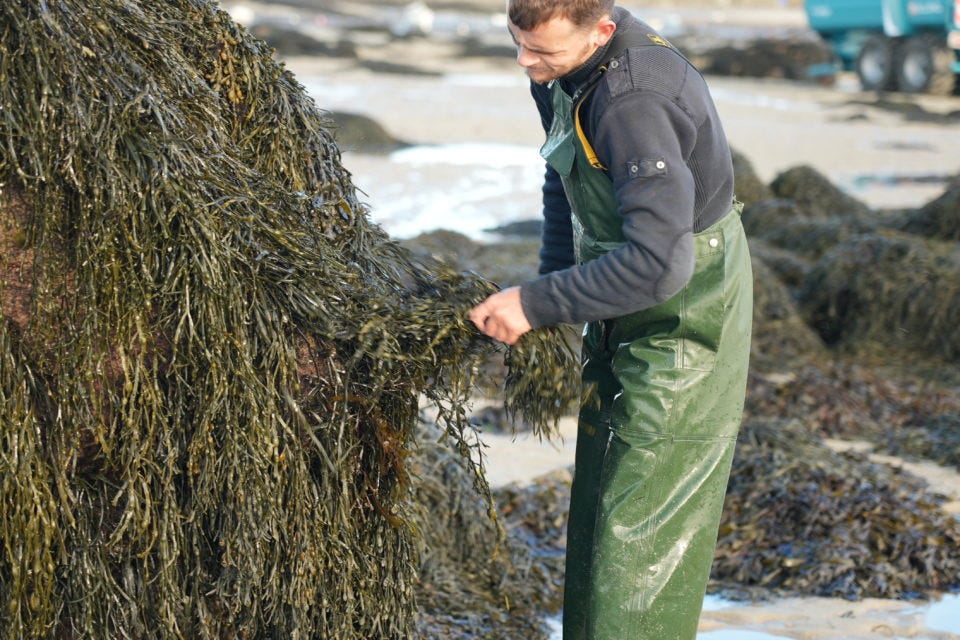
pixel 212 361
pixel 802 519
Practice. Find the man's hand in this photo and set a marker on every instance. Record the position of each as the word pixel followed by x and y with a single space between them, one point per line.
pixel 501 317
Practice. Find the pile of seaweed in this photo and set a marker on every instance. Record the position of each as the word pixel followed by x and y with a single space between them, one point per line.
pixel 480 577
pixel 863 280
pixel 802 518
pixel 211 362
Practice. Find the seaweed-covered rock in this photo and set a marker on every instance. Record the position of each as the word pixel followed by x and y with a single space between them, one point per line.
pixel 809 238
pixel 780 335
pixel 816 195
pixel 887 289
pixel 210 359
pixel 508 262
pixel 451 247
pixel 357 132
pixel 939 218
pixel 771 215
pixel 789 267
pixel 765 58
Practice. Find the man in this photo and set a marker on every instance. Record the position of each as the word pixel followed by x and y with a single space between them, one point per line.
pixel 642 241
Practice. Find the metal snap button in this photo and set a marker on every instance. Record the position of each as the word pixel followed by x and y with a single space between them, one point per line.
pixel 661 164
pixel 714 242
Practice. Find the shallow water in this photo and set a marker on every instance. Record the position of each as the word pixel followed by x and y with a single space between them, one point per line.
pixel 938 618
pixel 738 634
pixel 944 615
pixel 465 187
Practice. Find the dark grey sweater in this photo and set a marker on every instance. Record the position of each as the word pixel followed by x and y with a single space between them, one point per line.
pixel 653 105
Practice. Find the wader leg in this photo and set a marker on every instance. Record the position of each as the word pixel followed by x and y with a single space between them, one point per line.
pixel 593 433
pixel 660 506
pixel 640 555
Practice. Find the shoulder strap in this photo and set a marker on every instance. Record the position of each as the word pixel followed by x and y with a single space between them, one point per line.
pixel 620 42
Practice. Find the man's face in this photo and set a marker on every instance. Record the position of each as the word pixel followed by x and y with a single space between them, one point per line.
pixel 555 48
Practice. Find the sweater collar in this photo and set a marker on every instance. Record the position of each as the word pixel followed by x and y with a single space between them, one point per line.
pixel 578 76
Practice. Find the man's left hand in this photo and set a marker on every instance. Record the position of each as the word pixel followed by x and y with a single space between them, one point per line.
pixel 501 316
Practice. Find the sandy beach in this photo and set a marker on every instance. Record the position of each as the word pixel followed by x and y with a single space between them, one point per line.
pixel 468 119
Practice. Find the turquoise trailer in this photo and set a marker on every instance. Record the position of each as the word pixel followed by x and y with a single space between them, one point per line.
pixel 893 45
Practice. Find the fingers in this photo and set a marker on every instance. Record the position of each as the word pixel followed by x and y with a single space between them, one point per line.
pixel 478 315
pixel 489 325
pixel 501 316
pixel 488 319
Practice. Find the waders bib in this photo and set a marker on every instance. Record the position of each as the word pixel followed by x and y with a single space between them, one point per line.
pixel 661 407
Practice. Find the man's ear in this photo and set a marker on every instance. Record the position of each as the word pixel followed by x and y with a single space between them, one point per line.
pixel 604 31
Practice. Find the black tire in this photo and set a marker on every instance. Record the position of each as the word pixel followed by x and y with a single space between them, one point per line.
pixel 875 64
pixel 922 65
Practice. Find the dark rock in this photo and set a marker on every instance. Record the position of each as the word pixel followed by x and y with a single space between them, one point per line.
pixel 355 132
pixel 293 42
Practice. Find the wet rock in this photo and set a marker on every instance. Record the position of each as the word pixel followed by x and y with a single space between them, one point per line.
pixel 520 229
pixel 908 110
pixel 289 41
pixel 476 47
pixel 356 132
pixel 385 66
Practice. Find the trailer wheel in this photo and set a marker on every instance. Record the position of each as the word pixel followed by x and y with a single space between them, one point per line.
pixel 874 64
pixel 923 65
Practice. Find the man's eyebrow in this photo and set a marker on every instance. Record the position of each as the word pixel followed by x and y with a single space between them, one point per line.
pixel 531 49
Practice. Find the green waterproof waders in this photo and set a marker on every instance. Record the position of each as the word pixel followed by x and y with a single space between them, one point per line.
pixel 662 404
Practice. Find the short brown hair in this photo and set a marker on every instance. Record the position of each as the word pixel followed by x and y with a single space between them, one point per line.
pixel 528 14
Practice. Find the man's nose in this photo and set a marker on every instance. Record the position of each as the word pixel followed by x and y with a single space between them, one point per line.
pixel 525 58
